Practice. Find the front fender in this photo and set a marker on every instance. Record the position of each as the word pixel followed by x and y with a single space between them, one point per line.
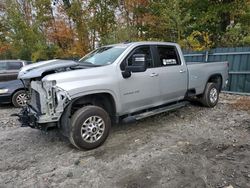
pixel 100 91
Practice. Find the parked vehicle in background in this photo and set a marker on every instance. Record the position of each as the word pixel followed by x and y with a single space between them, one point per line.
pixel 12 89
pixel 121 82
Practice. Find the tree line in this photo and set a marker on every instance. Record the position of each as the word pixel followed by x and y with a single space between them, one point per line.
pixel 45 29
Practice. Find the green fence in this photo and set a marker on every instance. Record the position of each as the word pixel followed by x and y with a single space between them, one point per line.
pixel 239 65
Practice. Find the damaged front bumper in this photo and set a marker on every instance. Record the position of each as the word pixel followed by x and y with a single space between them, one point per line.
pixel 26 118
pixel 45 107
pixel 29 118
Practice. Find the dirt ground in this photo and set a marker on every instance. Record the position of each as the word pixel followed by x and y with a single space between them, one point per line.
pixel 190 147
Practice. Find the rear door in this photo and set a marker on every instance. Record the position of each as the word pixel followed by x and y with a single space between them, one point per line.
pixel 172 73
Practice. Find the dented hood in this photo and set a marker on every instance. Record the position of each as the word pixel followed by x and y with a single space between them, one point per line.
pixel 37 69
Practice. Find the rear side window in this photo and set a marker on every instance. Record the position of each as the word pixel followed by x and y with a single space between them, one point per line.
pixel 3 66
pixel 14 65
pixel 168 56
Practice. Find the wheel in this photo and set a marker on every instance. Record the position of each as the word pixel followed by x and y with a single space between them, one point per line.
pixel 90 127
pixel 19 98
pixel 210 96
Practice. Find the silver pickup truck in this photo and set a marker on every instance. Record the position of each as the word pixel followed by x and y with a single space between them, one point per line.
pixel 116 83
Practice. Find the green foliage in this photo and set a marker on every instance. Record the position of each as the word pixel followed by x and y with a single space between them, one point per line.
pixel 197 41
pixel 218 18
pixel 40 29
pixel 121 34
pixel 103 18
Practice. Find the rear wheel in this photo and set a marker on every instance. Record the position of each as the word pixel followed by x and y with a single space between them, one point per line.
pixel 90 127
pixel 210 96
pixel 20 98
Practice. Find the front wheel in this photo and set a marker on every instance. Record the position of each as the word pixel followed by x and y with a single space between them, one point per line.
pixel 90 127
pixel 210 96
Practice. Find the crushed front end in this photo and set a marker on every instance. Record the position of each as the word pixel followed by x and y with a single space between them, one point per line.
pixel 46 105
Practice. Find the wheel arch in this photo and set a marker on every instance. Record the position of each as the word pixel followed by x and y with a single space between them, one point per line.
pixel 102 99
pixel 107 102
pixel 217 79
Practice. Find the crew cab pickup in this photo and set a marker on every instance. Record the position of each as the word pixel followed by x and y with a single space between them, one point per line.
pixel 115 83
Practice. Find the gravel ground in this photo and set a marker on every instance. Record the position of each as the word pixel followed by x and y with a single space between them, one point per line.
pixel 190 147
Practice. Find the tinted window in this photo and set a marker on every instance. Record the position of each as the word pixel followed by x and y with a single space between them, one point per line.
pixel 2 66
pixel 14 65
pixel 142 50
pixel 168 56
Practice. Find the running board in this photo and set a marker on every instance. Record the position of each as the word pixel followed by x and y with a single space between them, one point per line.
pixel 133 118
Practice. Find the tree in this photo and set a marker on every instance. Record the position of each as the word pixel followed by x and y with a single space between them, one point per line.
pixel 215 17
pixel 45 29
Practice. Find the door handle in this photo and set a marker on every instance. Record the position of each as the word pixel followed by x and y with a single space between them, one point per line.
pixel 182 71
pixel 154 74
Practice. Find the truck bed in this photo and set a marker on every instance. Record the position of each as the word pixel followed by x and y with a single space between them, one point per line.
pixel 199 73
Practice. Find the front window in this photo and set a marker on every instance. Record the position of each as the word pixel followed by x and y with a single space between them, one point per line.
pixel 103 56
pixel 143 50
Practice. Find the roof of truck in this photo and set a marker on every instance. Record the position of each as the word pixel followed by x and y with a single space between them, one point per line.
pixel 143 43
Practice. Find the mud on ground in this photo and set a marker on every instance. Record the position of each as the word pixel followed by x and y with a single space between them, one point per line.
pixel 190 147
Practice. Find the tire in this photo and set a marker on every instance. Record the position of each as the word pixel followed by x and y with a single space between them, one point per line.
pixel 85 133
pixel 210 96
pixel 19 98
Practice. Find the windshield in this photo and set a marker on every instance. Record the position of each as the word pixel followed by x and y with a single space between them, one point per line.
pixel 103 56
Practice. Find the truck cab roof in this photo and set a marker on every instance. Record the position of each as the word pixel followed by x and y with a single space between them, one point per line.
pixel 127 44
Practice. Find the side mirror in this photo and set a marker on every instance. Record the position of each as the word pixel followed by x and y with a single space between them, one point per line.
pixel 138 63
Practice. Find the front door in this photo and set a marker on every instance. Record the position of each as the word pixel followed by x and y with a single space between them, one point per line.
pixel 140 90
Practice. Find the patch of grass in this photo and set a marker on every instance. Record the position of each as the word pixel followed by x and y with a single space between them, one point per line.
pixel 242 103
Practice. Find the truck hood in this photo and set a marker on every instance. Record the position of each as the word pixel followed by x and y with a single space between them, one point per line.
pixel 37 69
pixel 85 79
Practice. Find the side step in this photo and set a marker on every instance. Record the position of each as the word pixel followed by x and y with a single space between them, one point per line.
pixel 142 115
